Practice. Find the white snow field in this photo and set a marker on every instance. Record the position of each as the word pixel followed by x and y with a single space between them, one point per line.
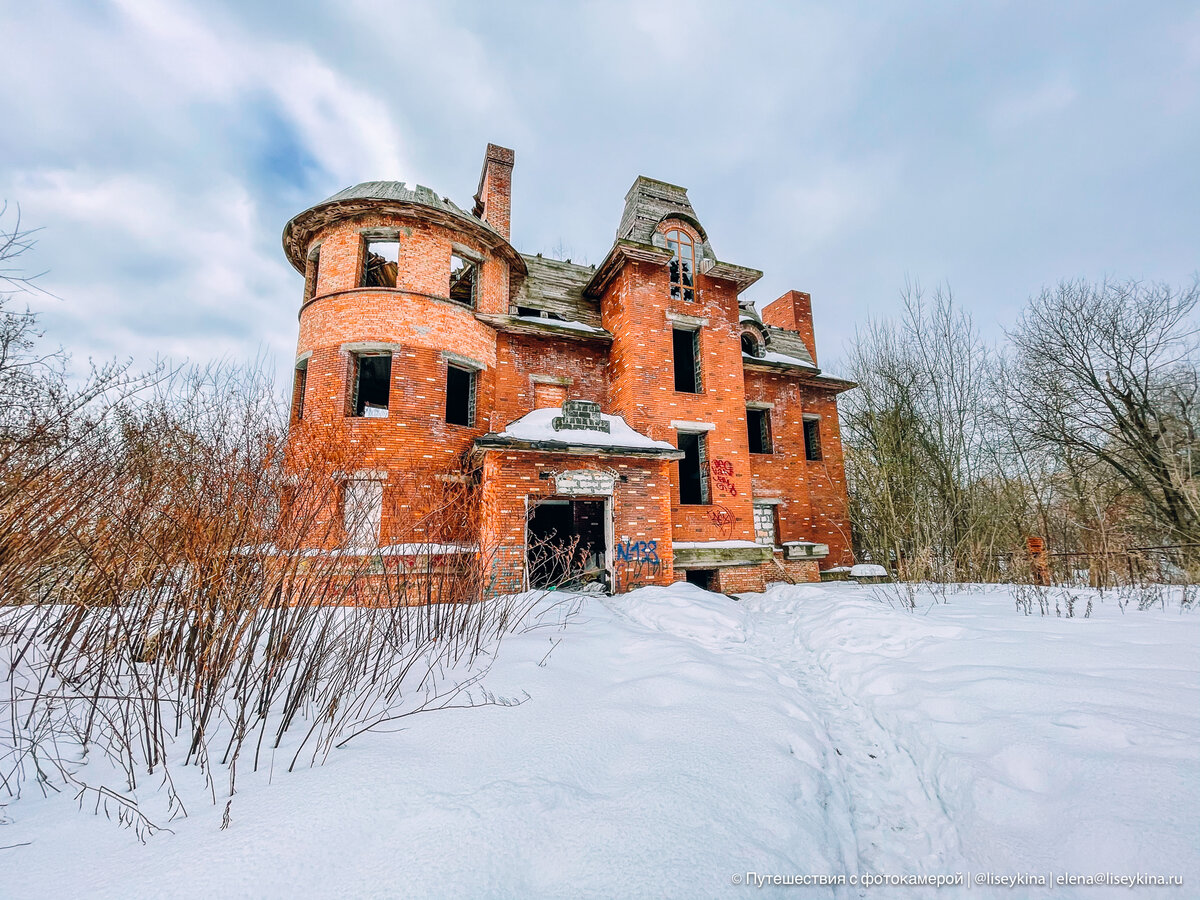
pixel 675 742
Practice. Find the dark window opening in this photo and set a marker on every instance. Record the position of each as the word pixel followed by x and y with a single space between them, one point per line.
pixel 463 276
pixel 298 391
pixel 565 543
pixel 749 345
pixel 683 265
pixel 758 428
pixel 693 469
pixel 381 263
pixel 702 578
pixel 528 311
pixel 314 269
pixel 686 346
pixel 460 396
pixel 812 439
pixel 372 385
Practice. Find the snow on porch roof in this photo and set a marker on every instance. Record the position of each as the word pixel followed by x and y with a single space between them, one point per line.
pixel 537 428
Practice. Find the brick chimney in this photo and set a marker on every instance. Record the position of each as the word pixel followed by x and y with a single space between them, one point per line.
pixel 494 197
pixel 793 311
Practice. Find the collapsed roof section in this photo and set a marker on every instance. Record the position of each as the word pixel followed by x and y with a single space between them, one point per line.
pixel 398 198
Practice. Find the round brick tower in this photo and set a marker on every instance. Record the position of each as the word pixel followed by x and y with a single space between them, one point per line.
pixel 395 374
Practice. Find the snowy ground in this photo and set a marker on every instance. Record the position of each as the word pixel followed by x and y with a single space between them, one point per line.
pixel 674 739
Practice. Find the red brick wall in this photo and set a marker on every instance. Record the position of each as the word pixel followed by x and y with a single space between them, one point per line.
pixel 496 190
pixel 519 357
pixel 827 480
pixel 424 256
pixel 417 322
pixel 640 508
pixel 793 311
pixel 741 579
pixel 813 492
pixel 796 571
pixel 641 374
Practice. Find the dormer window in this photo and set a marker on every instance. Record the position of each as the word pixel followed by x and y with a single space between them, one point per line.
pixel 683 264
pixel 750 344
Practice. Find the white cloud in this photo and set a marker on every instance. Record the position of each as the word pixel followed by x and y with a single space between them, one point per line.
pixel 1020 109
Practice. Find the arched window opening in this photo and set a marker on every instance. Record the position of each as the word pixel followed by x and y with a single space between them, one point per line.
pixel 683 264
pixel 750 345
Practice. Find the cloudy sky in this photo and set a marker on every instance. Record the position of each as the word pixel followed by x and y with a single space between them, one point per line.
pixel 841 148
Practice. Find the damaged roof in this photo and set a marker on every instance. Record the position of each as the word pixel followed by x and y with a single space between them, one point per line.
pixel 650 201
pixel 557 286
pixel 398 196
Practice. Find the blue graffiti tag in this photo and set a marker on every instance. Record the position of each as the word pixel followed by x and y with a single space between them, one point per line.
pixel 637 551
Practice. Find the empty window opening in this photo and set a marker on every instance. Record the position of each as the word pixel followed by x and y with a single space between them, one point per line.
pixel 460 396
pixel 528 312
pixel 372 385
pixel 298 387
pixel 750 345
pixel 381 264
pixel 464 273
pixel 693 468
pixel 812 439
pixel 702 578
pixel 565 543
pixel 686 345
pixel 362 512
pixel 683 264
pixel 758 429
pixel 314 269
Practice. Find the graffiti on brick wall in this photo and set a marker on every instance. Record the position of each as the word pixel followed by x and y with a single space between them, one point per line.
pixel 723 518
pixel 722 474
pixel 639 561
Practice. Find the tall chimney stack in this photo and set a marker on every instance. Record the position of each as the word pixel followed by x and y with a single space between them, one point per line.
pixel 793 311
pixel 493 200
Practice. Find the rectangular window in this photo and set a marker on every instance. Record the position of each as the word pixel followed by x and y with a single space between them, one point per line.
pixel 812 439
pixel 298 391
pixel 314 269
pixel 381 262
pixel 372 385
pixel 758 429
pixel 693 468
pixel 463 275
pixel 686 345
pixel 362 512
pixel 460 396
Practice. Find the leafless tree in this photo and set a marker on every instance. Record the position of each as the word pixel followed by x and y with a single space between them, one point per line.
pixel 1105 378
pixel 917 433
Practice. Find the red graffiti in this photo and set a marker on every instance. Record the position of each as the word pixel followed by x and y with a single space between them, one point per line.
pixel 722 472
pixel 723 519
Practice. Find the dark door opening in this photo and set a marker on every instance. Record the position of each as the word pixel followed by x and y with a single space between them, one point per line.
pixel 693 485
pixel 703 578
pixel 566 544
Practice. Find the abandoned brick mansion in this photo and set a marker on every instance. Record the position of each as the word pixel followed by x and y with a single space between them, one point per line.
pixel 636 409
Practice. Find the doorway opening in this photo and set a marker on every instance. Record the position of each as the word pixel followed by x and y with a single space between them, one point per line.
pixel 702 578
pixel 566 544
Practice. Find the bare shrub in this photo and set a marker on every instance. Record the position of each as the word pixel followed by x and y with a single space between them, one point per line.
pixel 167 608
